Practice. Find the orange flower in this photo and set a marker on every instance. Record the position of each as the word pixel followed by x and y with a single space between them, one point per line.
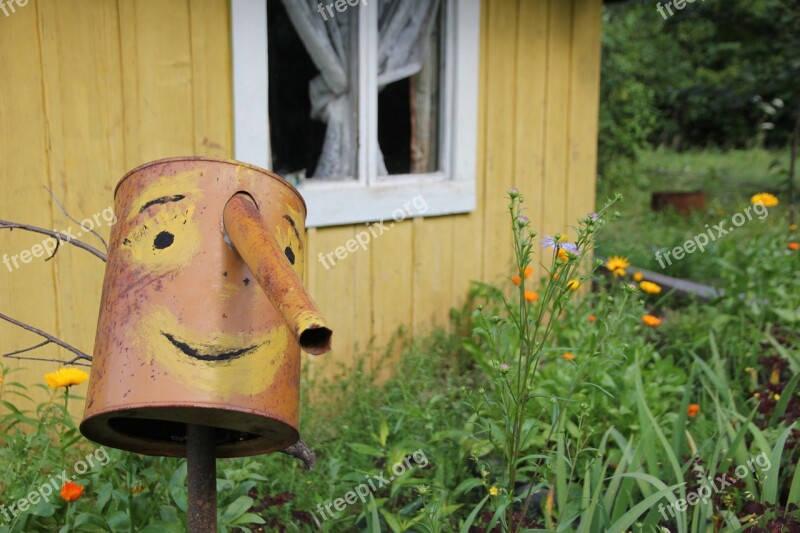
pixel 693 410
pixel 592 318
pixel 531 296
pixel 637 276
pixel 568 356
pixel 71 491
pixel 651 321
pixel 793 246
pixel 562 255
pixel 527 271
pixel 554 276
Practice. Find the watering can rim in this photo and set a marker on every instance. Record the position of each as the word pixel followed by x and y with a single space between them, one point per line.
pixel 231 162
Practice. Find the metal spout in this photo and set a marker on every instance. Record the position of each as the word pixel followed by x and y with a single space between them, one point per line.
pixel 254 242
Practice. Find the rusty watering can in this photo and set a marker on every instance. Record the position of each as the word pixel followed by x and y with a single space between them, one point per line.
pixel 203 312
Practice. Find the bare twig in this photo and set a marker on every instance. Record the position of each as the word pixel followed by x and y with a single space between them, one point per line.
pixel 43 343
pixel 93 232
pixel 58 246
pixel 79 355
pixel 5 224
pixel 74 361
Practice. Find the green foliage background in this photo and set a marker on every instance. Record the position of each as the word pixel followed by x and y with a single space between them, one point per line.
pixel 690 81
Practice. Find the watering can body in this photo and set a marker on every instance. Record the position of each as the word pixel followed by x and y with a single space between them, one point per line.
pixel 188 333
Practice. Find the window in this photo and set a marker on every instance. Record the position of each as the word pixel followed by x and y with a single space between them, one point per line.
pixel 363 104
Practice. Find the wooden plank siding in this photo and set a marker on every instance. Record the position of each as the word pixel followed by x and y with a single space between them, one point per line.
pixel 92 88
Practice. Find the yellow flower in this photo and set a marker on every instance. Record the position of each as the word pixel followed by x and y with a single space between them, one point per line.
pixel 769 200
pixel 573 284
pixel 568 356
pixel 64 377
pixel 619 272
pixel 776 396
pixel 562 255
pixel 494 491
pixel 616 262
pixel 1 379
pixel 649 287
pixel 637 276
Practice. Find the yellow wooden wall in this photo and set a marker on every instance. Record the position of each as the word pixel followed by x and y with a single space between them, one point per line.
pixel 92 88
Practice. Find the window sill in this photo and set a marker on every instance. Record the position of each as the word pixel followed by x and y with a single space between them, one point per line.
pixel 340 203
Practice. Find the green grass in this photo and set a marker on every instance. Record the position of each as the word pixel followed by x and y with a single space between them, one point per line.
pixel 728 179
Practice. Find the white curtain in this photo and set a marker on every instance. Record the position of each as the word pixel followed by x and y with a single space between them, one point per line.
pixel 404 36
pixel 329 43
pixel 404 29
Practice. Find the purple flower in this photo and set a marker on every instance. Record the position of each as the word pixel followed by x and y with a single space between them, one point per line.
pixel 550 242
pixel 594 216
pixel 570 247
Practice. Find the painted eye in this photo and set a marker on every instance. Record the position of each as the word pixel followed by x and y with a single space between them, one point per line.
pixel 289 254
pixel 163 240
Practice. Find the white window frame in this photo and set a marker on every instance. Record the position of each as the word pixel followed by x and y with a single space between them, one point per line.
pixel 370 197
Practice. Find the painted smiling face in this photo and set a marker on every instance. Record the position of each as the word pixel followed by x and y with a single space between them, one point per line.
pixel 185 331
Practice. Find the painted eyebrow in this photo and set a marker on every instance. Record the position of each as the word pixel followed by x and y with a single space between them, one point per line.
pixel 162 200
pixel 294 226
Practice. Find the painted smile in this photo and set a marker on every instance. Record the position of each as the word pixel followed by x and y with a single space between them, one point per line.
pixel 207 352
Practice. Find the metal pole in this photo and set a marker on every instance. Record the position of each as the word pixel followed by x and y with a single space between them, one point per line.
pixel 202 479
pixel 792 162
